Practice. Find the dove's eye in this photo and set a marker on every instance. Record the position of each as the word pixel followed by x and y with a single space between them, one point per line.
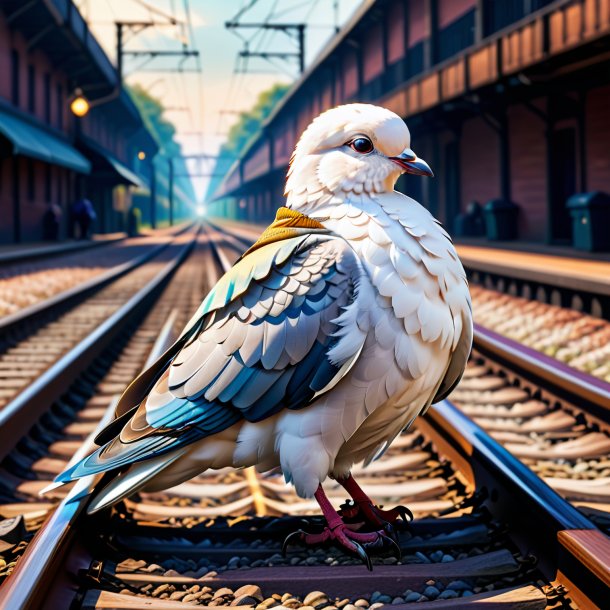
pixel 362 145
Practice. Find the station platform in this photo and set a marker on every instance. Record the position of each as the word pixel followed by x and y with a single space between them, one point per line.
pixel 14 253
pixel 556 266
pixel 29 251
pixel 548 266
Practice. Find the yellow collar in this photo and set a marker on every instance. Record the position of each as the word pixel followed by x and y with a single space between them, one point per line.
pixel 288 223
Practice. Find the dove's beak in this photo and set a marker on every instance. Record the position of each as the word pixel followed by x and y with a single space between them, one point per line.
pixel 411 163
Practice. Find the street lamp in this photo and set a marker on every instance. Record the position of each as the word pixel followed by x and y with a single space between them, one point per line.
pixel 141 155
pixel 79 105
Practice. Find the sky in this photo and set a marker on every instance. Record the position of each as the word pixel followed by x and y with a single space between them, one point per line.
pixel 203 98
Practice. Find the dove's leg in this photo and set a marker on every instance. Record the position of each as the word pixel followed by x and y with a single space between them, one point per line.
pixel 339 532
pixel 375 515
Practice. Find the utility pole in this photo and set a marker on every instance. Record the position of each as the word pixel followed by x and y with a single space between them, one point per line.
pixel 171 191
pixel 153 195
pixel 139 26
pixel 289 28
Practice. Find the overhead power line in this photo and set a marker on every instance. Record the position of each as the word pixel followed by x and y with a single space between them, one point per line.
pixel 291 29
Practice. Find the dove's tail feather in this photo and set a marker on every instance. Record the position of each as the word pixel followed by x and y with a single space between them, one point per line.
pixel 132 480
pixel 116 455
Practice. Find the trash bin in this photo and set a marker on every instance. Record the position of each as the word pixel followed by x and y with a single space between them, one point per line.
pixel 590 221
pixel 501 220
pixel 471 223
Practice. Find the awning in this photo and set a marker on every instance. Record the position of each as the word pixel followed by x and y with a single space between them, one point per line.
pixel 35 142
pixel 106 161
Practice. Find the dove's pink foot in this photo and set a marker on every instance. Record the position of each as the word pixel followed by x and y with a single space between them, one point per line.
pixel 339 532
pixel 364 506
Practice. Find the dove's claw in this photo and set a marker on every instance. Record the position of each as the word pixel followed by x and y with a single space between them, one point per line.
pixel 366 560
pixel 299 534
pixel 392 515
pixel 379 517
pixel 340 533
pixel 392 536
pixel 344 537
pixel 393 539
pixel 362 506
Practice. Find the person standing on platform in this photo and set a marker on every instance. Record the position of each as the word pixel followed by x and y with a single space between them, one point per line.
pixel 84 215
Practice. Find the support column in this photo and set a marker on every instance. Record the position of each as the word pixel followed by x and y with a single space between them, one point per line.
pixel 505 186
pixel 582 141
pixel 171 191
pixel 431 43
pixel 153 195
pixel 16 201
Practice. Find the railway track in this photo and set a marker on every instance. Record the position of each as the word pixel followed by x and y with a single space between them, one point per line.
pixel 67 330
pixel 30 288
pixel 77 387
pixel 217 540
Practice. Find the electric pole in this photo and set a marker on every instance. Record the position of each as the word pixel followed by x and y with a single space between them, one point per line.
pixel 291 29
pixel 171 191
pixel 139 26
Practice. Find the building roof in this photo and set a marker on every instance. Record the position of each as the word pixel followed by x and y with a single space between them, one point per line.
pixel 59 30
pixel 108 162
pixel 37 142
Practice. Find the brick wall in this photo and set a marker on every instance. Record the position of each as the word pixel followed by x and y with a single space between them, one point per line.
pixel 528 171
pixel 598 139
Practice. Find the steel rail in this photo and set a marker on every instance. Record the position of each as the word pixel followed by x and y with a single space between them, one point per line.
pixel 542 523
pixel 17 417
pixel 42 565
pixel 586 391
pixel 50 250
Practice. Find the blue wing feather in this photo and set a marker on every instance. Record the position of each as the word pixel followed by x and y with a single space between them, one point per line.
pixel 269 380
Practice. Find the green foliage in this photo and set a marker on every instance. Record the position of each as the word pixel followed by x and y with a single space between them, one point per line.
pixel 246 127
pixel 151 110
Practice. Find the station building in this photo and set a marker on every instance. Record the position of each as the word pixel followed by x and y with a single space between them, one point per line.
pixel 48 156
pixel 507 100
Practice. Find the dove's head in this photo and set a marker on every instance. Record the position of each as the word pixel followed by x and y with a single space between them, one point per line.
pixel 356 148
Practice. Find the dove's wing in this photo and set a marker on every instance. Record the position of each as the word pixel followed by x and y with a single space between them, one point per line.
pixel 459 358
pixel 259 343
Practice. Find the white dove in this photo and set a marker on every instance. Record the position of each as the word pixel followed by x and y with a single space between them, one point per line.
pixel 347 319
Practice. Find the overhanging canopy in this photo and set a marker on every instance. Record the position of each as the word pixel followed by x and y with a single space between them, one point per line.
pixel 101 157
pixel 32 141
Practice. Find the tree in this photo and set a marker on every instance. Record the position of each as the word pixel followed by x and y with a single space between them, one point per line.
pixel 151 109
pixel 246 127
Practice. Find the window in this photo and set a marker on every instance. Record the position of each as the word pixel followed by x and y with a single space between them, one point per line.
pixel 48 181
pixel 31 88
pixel 455 36
pixel 15 77
pixel 47 97
pixel 498 14
pixel 31 187
pixel 59 94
